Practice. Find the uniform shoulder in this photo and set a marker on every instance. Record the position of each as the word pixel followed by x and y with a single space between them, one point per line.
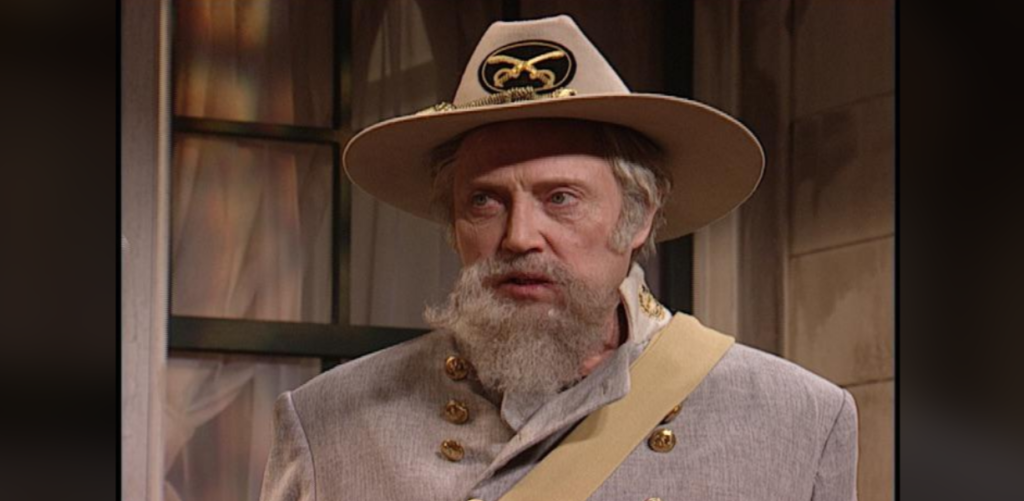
pixel 743 359
pixel 750 374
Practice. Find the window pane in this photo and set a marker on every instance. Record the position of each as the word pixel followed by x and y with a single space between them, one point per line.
pixel 254 61
pixel 251 229
pixel 218 422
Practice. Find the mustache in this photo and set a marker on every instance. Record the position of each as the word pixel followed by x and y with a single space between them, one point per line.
pixel 524 268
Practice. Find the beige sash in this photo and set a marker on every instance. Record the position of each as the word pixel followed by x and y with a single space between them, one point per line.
pixel 666 372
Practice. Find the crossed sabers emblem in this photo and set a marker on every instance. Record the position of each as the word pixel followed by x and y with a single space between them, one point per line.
pixel 547 77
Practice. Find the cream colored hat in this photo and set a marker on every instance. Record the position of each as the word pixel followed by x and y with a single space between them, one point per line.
pixel 547 68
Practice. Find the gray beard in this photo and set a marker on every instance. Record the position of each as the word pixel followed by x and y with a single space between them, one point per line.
pixel 518 346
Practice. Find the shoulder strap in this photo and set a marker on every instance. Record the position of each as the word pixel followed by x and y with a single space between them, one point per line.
pixel 666 372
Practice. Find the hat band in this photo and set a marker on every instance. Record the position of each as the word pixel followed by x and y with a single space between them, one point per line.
pixel 513 95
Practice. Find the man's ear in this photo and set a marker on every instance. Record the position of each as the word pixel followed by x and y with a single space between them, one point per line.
pixel 641 235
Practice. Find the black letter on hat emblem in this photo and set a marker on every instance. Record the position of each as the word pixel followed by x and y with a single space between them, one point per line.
pixel 543 65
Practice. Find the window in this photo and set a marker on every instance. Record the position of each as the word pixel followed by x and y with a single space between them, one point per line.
pixel 259 231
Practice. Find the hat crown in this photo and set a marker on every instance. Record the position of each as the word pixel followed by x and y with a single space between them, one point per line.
pixel 565 58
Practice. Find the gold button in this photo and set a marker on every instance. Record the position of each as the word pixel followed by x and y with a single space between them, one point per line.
pixel 662 440
pixel 653 499
pixel 456 412
pixel 672 414
pixel 456 368
pixel 452 450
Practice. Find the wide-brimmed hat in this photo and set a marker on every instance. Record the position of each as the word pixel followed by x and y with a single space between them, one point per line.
pixel 547 68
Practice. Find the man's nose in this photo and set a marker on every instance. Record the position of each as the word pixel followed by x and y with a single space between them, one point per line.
pixel 522 232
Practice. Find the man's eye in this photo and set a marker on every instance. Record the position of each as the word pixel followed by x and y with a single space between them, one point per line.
pixel 561 198
pixel 480 200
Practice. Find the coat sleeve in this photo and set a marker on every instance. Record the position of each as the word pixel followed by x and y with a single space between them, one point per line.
pixel 836 478
pixel 289 472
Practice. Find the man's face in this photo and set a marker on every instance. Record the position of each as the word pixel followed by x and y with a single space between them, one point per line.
pixel 539 188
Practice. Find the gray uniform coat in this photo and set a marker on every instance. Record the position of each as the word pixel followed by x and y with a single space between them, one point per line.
pixel 758 427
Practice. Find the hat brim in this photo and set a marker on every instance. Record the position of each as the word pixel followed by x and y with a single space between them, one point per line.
pixel 715 162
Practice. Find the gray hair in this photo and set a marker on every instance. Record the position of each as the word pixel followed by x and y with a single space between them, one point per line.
pixel 636 164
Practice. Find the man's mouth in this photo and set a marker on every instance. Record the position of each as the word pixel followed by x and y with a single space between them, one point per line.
pixel 525 279
pixel 526 285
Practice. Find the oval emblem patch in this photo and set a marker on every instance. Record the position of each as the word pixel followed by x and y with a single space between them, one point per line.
pixel 545 66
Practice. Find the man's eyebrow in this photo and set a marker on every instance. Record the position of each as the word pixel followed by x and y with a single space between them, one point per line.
pixel 577 183
pixel 562 181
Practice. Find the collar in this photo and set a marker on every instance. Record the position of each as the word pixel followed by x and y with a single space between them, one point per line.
pixel 644 314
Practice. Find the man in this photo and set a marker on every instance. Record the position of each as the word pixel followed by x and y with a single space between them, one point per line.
pixel 553 372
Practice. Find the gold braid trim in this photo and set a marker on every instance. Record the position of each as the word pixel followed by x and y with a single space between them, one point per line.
pixel 504 97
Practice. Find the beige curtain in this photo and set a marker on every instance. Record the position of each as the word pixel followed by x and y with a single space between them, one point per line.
pixel 251 226
pixel 251 229
pixel 407 55
pixel 254 61
pixel 217 422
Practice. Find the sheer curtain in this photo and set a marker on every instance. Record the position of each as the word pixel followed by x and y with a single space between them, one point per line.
pixel 217 419
pixel 254 61
pixel 407 55
pixel 251 228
